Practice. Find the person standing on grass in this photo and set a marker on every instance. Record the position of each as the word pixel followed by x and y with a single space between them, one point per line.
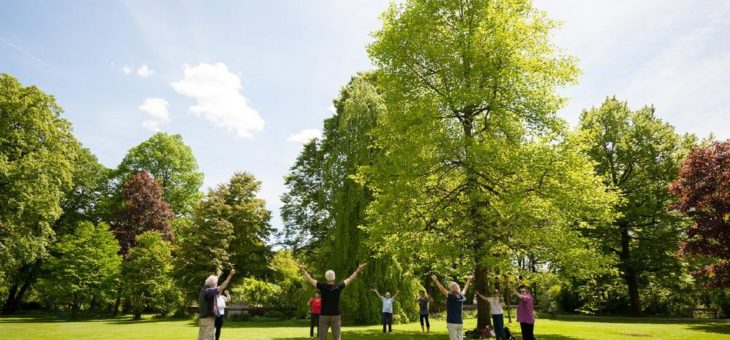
pixel 454 306
pixel 526 313
pixel 387 309
pixel 221 300
pixel 315 307
pixel 208 305
pixel 495 308
pixel 423 301
pixel 330 290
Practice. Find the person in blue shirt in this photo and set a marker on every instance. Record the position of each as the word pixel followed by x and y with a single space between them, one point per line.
pixel 454 306
pixel 387 309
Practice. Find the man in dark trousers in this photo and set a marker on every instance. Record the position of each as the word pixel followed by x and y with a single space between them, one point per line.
pixel 330 290
pixel 208 306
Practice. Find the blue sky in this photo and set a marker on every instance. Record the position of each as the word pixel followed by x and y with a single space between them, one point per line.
pixel 246 82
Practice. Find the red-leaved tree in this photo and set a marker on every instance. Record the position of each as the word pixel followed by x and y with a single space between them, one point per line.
pixel 143 209
pixel 703 189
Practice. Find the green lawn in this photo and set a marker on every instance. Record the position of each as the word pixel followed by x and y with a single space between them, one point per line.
pixel 36 327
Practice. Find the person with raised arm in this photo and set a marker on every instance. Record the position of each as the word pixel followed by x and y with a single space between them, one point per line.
pixel 221 300
pixel 208 305
pixel 495 308
pixel 387 309
pixel 330 290
pixel 526 313
pixel 423 302
pixel 454 306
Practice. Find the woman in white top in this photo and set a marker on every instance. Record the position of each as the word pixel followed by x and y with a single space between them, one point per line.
pixel 495 308
pixel 220 309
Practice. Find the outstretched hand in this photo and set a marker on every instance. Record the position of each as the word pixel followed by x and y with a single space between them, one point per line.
pixel 301 266
pixel 434 278
pixel 361 266
pixel 469 277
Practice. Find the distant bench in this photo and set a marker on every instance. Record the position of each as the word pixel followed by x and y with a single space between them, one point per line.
pixel 705 313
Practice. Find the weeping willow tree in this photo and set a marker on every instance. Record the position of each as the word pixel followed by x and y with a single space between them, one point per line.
pixel 325 206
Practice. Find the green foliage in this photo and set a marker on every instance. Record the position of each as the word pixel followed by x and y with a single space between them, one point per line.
pixel 37 151
pixel 147 276
pixel 84 267
pixel 638 156
pixel 325 207
pixel 479 171
pixel 171 163
pixel 230 228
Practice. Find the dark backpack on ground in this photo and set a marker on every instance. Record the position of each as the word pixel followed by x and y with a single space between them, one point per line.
pixel 509 334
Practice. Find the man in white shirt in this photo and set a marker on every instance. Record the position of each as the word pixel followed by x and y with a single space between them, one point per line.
pixel 220 309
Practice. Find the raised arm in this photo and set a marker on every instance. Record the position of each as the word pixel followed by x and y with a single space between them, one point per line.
pixel 396 294
pixel 480 295
pixel 378 294
pixel 354 274
pixel 307 277
pixel 468 282
pixel 439 285
pixel 228 296
pixel 223 286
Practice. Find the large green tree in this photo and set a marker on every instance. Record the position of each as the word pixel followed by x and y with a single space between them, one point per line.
pixel 477 160
pixel 84 267
pixel 37 151
pixel 147 276
pixel 85 200
pixel 638 155
pixel 170 162
pixel 231 227
pixel 325 208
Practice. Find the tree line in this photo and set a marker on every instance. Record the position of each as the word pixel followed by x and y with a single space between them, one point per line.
pixel 77 236
pixel 447 157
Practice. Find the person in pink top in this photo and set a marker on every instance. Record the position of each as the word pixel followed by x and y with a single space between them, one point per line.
pixel 526 313
pixel 315 305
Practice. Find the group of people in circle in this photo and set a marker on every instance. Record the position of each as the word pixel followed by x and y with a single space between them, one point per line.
pixel 325 307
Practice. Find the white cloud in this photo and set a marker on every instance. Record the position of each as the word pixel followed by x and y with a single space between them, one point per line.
pixel 127 70
pixel 144 71
pixel 217 92
pixel 156 108
pixel 304 136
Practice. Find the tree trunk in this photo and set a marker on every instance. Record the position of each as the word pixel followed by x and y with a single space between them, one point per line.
pixel 10 302
pixel 27 275
pixel 630 274
pixel 480 284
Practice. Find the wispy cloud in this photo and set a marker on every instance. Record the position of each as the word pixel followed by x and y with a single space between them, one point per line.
pixel 217 92
pixel 144 71
pixel 156 108
pixel 304 136
pixel 126 70
pixel 24 51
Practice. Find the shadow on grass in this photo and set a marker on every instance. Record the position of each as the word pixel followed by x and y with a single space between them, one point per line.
pixel 630 320
pixel 715 327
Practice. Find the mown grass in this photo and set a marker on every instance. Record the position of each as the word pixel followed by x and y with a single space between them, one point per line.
pixel 562 328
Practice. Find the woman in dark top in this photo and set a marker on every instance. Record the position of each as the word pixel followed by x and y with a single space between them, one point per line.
pixel 423 301
pixel 454 306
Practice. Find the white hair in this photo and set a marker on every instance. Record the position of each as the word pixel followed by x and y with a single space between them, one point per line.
pixel 452 285
pixel 211 281
pixel 329 275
